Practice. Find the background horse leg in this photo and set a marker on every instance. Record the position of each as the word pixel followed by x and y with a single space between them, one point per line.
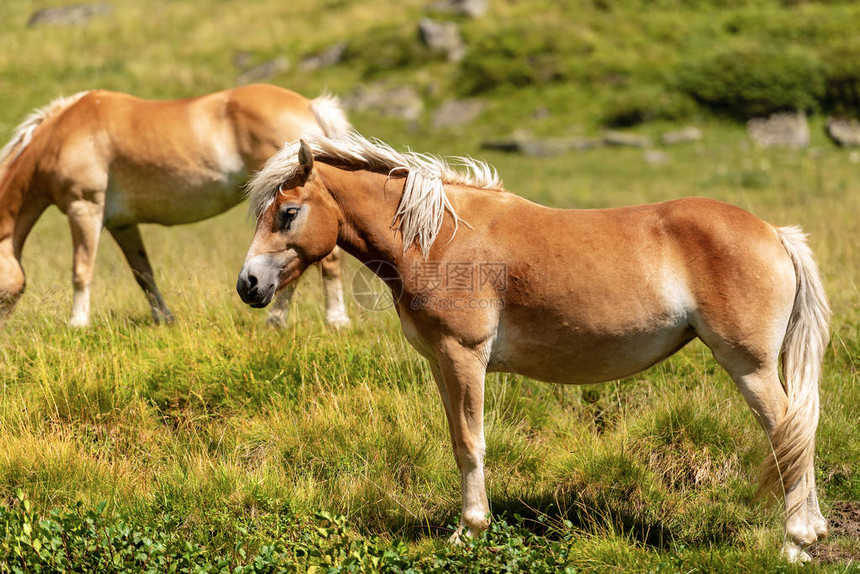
pixel 281 306
pixel 11 278
pixel 129 240
pixel 331 268
pixel 462 373
pixel 85 220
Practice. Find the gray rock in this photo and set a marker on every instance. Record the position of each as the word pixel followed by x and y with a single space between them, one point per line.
pixel 655 156
pixel 263 71
pixel 541 113
pixel 470 8
pixel 402 102
pixel 457 113
pixel 787 129
pixel 511 145
pixel 68 15
pixel 544 147
pixel 614 138
pixel 541 147
pixel 326 58
pixel 845 133
pixel 685 135
pixel 242 60
pixel 442 37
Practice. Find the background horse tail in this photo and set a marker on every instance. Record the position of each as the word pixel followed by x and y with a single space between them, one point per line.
pixel 793 440
pixel 330 115
pixel 23 134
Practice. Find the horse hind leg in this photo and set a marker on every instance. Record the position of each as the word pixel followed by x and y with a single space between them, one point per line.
pixel 816 519
pixel 765 396
pixel 131 243
pixel 752 361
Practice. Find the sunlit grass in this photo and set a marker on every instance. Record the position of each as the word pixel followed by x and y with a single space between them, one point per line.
pixel 222 422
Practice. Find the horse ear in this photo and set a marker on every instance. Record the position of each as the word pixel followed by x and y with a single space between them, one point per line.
pixel 306 157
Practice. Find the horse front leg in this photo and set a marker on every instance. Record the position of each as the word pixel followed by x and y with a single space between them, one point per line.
pixel 331 268
pixel 85 221
pixel 12 279
pixel 460 374
pixel 131 243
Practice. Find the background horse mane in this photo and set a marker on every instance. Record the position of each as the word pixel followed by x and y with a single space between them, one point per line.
pixel 23 134
pixel 424 201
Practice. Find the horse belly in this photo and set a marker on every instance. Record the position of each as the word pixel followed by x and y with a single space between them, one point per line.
pixel 580 356
pixel 173 200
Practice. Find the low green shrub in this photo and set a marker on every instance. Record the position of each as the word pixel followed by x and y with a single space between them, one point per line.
pixel 92 540
pixel 387 48
pixel 750 79
pixel 644 104
pixel 521 55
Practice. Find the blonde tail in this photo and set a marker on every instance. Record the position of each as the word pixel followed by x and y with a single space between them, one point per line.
pixel 793 440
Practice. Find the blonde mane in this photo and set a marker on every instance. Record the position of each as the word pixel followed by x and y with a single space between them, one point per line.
pixel 424 202
pixel 330 116
pixel 23 134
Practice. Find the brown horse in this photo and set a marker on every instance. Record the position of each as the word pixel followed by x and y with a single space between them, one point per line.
pixel 569 296
pixel 111 160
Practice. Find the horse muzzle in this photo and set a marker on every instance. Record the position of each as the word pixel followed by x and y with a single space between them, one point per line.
pixel 258 281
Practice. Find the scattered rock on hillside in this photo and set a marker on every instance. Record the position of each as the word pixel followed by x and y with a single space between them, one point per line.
pixel 684 135
pixel 67 15
pixel 457 113
pixel 845 133
pixel 263 71
pixel 787 129
pixel 242 59
pixel 470 8
pixel 326 58
pixel 614 138
pixel 401 102
pixel 655 157
pixel 442 37
pixel 540 147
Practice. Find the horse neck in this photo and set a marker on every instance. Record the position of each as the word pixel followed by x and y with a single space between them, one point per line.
pixel 21 203
pixel 367 202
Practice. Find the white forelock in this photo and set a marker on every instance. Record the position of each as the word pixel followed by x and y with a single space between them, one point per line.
pixel 422 207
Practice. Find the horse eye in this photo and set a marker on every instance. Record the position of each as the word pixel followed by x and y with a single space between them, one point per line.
pixel 287 218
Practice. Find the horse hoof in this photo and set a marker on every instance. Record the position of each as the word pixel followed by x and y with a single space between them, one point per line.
pixel 794 553
pixel 457 537
pixel 337 320
pixel 338 324
pixel 163 318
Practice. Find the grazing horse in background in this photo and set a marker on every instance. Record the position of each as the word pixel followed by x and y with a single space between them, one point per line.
pixel 111 160
pixel 569 296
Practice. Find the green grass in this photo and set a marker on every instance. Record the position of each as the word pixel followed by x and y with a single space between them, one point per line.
pixel 226 434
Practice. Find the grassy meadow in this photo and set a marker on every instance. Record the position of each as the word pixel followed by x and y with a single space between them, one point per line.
pixel 228 444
